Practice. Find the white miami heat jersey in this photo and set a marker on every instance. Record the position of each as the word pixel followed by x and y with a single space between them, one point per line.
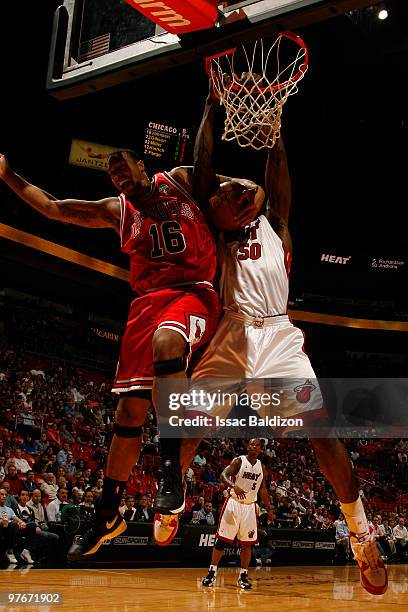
pixel 254 280
pixel 249 478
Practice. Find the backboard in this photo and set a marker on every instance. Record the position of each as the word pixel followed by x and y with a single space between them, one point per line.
pixel 100 43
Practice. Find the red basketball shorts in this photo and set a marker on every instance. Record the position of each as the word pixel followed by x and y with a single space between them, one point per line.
pixel 192 311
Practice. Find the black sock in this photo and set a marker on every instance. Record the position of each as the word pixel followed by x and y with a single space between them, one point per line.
pixel 111 495
pixel 170 447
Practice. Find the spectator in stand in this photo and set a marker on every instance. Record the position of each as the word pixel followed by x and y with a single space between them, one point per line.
pixel 326 522
pixel 62 456
pixel 21 464
pixel 42 444
pixel 208 476
pixel 2 470
pixel 54 508
pixel 70 466
pixel 11 500
pixel 29 484
pixel 401 538
pixel 9 460
pixel 87 507
pixel 9 525
pixel 297 503
pixel 49 487
pixel 98 486
pixel 199 505
pixel 319 517
pixel 308 520
pixel 199 460
pixel 206 515
pixel 343 537
pixel 295 519
pixel 40 463
pixel 69 409
pixel 65 435
pixel 388 530
pixel 130 512
pixel 285 512
pixel 190 481
pixel 87 476
pixel 62 482
pixel 76 496
pixel 13 480
pixel 122 506
pixel 81 485
pixel 28 445
pixel 308 497
pixel 143 512
pixel 34 537
pixel 51 465
pixel 38 509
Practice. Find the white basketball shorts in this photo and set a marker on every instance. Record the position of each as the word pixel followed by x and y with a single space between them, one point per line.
pixel 247 348
pixel 237 520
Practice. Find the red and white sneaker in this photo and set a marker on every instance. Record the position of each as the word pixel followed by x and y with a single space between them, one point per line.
pixel 373 573
pixel 165 527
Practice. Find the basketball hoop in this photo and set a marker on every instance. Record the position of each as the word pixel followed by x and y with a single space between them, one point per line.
pixel 254 84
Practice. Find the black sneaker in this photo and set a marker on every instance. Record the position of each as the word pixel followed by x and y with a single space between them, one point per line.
pixel 210 579
pixel 88 544
pixel 243 581
pixel 170 497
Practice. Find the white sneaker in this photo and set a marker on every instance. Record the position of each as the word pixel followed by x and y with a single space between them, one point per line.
pixel 373 574
pixel 10 557
pixel 258 561
pixel 26 556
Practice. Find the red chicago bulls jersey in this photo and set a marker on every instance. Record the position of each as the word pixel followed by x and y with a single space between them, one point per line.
pixel 167 238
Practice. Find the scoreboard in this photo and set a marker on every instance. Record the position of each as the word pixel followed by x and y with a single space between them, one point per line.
pixel 166 142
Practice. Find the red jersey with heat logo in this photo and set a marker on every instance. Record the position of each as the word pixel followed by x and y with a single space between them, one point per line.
pixel 167 238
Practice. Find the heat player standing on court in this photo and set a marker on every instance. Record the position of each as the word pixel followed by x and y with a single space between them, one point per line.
pixel 245 478
pixel 257 340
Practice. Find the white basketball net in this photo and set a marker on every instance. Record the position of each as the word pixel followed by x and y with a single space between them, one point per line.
pixel 253 99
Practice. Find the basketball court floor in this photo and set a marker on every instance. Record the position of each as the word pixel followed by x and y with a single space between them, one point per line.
pixel 156 590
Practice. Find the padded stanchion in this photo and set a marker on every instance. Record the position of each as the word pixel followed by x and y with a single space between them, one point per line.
pixel 179 16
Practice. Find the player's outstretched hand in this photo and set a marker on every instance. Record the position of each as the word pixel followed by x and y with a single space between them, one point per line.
pixel 3 165
pixel 240 493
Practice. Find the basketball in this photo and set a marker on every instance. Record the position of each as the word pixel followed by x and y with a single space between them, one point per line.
pixel 225 205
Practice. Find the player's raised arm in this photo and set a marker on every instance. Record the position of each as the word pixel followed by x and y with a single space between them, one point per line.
pixel 205 180
pixel 100 213
pixel 277 182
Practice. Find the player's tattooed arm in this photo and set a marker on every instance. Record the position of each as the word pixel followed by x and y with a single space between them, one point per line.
pixel 205 180
pixel 100 213
pixel 279 192
pixel 228 477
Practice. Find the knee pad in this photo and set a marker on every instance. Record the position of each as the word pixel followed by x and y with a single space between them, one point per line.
pixel 219 544
pixel 170 366
pixel 123 431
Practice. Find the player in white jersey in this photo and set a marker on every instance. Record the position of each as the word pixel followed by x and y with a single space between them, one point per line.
pixel 256 339
pixel 245 478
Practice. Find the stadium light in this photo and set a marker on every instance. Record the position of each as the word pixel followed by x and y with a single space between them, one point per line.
pixel 382 14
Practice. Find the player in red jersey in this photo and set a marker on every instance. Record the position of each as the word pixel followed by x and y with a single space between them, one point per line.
pixel 177 310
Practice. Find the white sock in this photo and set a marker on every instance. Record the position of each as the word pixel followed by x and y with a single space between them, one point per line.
pixel 213 568
pixel 243 571
pixel 356 518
